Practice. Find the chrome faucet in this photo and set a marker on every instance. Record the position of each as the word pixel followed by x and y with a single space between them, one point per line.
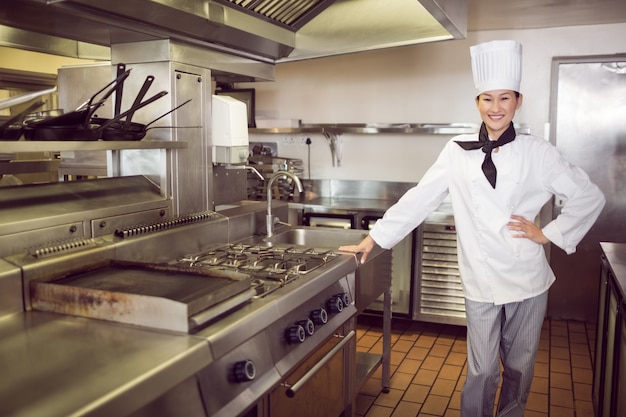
pixel 270 220
pixel 256 171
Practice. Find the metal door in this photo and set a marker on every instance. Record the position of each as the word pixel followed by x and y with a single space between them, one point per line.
pixel 588 125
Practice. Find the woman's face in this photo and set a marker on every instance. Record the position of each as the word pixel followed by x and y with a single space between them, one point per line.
pixel 497 108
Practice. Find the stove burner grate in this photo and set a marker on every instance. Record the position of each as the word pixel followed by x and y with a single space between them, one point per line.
pixel 271 267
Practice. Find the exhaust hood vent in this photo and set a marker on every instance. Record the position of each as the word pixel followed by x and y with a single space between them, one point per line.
pixel 269 31
pixel 292 14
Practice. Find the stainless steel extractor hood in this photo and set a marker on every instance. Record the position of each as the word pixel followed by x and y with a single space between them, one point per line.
pixel 266 30
pixel 361 25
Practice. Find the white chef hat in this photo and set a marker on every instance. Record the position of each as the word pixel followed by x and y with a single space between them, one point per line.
pixel 497 65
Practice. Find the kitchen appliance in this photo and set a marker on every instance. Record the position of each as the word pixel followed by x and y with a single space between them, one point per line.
pixel 155 295
pixel 439 294
pixel 587 125
pixel 277 319
pixel 229 137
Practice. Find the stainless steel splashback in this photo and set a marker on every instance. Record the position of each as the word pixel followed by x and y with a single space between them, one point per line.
pixel 375 190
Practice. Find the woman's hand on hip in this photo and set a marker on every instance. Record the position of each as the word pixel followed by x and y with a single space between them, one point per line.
pixel 524 228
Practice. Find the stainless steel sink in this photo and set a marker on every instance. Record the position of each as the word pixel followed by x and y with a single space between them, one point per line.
pixel 373 277
pixel 317 237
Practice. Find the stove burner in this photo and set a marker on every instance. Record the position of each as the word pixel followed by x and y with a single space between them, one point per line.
pixel 271 267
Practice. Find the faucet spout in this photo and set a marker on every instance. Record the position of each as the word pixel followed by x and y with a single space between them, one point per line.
pixel 256 171
pixel 270 220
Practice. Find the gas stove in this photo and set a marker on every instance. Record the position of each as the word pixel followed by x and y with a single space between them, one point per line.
pixel 304 300
pixel 271 267
pixel 264 309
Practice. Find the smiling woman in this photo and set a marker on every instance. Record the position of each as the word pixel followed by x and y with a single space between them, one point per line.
pixel 497 109
pixel 505 280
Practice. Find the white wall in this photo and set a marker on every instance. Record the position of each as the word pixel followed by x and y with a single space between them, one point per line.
pixel 430 83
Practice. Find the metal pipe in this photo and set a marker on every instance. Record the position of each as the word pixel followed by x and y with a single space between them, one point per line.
pixel 256 171
pixel 24 98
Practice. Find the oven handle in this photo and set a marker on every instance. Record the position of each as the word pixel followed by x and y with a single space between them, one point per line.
pixel 293 389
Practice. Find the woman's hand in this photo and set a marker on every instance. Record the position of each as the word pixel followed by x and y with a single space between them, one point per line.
pixel 365 247
pixel 524 228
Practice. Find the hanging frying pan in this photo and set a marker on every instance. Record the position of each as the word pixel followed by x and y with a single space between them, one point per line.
pixel 140 95
pixel 89 132
pixel 121 130
pixel 142 92
pixel 119 90
pixel 83 114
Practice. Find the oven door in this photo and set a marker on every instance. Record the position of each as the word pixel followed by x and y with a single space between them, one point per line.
pixel 323 385
pixel 333 220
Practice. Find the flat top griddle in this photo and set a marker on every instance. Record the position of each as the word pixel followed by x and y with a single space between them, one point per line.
pixel 153 295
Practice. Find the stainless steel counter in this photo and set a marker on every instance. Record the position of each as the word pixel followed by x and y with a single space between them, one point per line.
pixel 609 370
pixel 55 365
pixel 616 255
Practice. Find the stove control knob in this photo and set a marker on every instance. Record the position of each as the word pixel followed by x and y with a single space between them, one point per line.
pixel 244 371
pixel 335 304
pixel 345 298
pixel 296 334
pixel 319 316
pixel 309 326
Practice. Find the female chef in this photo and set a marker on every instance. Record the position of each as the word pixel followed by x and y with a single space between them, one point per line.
pixel 497 183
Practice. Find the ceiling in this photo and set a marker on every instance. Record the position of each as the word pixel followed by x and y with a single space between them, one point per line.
pixel 532 14
pixel 331 27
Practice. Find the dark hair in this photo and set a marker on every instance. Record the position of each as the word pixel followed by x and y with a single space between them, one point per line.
pixel 516 95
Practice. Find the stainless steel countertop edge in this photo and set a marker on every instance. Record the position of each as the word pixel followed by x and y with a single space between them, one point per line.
pixel 59 365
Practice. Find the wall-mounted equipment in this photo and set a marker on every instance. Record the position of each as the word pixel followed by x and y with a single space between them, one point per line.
pixel 229 133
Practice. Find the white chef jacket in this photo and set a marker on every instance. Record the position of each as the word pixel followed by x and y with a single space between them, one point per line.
pixel 494 266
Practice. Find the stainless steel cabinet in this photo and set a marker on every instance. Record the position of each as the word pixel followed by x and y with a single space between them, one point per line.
pixel 609 379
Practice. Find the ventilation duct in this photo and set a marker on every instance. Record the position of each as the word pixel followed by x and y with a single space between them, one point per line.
pixel 265 30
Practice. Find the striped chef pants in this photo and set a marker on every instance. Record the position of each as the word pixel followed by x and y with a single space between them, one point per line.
pixel 513 330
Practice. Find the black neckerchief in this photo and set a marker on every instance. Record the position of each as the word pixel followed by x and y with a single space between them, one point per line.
pixel 487 146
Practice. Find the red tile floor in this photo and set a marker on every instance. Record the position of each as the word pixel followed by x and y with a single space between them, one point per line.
pixel 428 370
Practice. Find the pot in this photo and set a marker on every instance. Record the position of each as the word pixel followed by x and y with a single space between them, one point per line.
pixel 12 128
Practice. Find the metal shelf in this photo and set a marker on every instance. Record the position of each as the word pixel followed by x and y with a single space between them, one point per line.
pixel 377 128
pixel 53 146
